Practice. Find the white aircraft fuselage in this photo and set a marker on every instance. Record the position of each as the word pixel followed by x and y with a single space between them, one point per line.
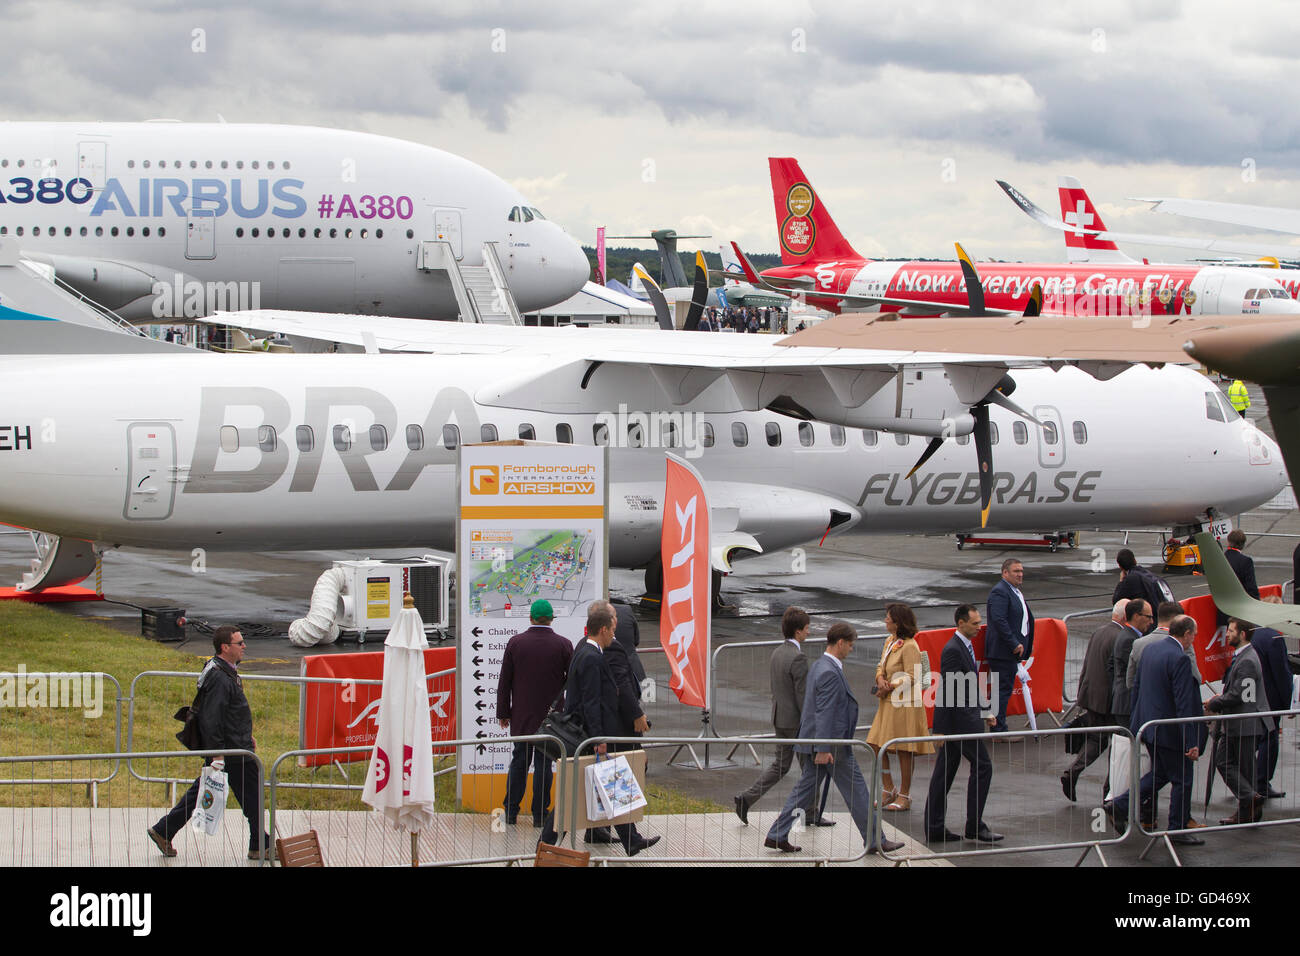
pixel 142 216
pixel 272 452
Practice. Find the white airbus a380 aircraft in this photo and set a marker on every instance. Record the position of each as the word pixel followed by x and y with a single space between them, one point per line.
pixel 145 217
pixel 271 452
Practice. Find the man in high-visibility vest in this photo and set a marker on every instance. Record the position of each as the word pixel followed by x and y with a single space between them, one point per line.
pixel 1237 395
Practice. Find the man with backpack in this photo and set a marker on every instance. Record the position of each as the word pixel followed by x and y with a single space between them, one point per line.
pixel 1136 583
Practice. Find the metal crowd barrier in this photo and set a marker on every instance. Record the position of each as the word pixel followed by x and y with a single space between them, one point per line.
pixel 1075 649
pixel 1202 782
pixel 719 833
pixel 62 684
pixel 107 835
pixel 1013 801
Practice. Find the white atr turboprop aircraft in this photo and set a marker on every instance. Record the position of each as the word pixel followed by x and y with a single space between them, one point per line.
pixel 152 220
pixel 272 452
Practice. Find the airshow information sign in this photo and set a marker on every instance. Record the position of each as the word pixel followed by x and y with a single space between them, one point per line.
pixel 532 525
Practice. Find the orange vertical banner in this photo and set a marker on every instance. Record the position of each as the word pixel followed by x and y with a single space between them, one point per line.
pixel 685 615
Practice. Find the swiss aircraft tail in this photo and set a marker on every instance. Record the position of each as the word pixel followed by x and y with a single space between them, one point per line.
pixel 803 224
pixel 1077 209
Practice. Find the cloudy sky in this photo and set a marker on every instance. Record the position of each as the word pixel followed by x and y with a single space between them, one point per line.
pixel 902 114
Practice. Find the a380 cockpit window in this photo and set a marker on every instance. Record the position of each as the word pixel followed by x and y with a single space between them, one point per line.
pixel 516 215
pixel 1212 410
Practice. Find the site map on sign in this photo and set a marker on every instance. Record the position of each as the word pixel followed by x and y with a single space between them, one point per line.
pixel 512 569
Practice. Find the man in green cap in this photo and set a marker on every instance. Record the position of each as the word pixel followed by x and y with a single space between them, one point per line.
pixel 533 671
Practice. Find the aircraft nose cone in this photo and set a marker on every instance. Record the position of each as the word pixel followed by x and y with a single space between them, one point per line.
pixel 1280 307
pixel 572 270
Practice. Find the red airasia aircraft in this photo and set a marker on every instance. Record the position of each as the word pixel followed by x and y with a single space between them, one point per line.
pixel 819 263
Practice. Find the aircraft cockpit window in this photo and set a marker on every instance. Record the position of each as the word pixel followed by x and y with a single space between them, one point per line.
pixel 378 438
pixel 600 434
pixel 1020 433
pixel 806 436
pixel 414 437
pixel 266 437
pixel 837 436
pixel 739 434
pixel 515 215
pixel 528 214
pixel 1212 410
pixel 538 213
pixel 305 438
pixel 488 433
pixel 870 437
pixel 1252 293
pixel 1080 433
pixel 229 438
pixel 342 438
pixel 527 432
pixel 564 433
pixel 773 432
pixel 706 435
pixel 450 437
pixel 1049 433
pixel 1281 294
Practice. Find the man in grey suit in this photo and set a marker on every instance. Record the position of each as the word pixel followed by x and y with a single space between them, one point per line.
pixel 1243 693
pixel 830 712
pixel 788 670
pixel 1165 615
pixel 1096 691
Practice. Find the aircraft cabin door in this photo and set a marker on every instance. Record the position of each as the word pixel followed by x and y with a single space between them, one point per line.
pixel 151 467
pixel 1208 301
pixel 446 228
pixel 1051 437
pixel 201 234
pixel 92 161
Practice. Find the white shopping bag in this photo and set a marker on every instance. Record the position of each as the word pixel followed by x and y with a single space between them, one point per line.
pixel 1119 765
pixel 612 789
pixel 212 801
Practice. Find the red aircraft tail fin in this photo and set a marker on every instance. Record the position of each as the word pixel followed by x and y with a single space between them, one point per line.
pixel 803 224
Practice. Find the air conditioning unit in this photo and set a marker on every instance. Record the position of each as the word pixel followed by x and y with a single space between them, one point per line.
pixel 372 595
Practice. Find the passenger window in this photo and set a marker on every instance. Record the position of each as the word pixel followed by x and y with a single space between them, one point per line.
pixel 902 438
pixel 600 434
pixel 378 438
pixel 266 437
pixel 527 432
pixel 806 436
pixel 564 433
pixel 870 437
pixel 1080 433
pixel 229 438
pixel 635 436
pixel 993 433
pixel 706 435
pixel 773 432
pixel 963 439
pixel 305 438
pixel 414 437
pixel 739 434
pixel 670 434
pixel 342 437
pixel 1049 433
pixel 450 437
pixel 1020 433
pixel 837 436
pixel 1212 411
pixel 488 433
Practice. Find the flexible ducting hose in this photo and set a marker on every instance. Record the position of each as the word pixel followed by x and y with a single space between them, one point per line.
pixel 320 626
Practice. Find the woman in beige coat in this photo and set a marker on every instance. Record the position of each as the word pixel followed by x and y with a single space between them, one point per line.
pixel 901 712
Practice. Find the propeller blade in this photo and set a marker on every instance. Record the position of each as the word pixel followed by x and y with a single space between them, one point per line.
pixel 974 287
pixel 699 295
pixel 984 451
pixel 930 449
pixel 998 398
pixel 1035 304
pixel 656 298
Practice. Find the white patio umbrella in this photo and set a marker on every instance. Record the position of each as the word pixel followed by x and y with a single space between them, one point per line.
pixel 399 782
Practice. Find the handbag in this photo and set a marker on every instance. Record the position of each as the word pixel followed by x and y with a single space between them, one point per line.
pixel 189 734
pixel 567 728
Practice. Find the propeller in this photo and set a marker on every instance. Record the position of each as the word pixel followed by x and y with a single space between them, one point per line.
pixel 656 298
pixel 699 294
pixel 998 395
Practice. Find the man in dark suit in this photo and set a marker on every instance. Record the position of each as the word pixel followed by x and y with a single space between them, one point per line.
pixel 788 674
pixel 1243 693
pixel 632 721
pixel 1271 648
pixel 1242 566
pixel 592 693
pixel 1136 582
pixel 830 712
pixel 628 633
pixel 1010 635
pixel 957 711
pixel 532 676
pixel 1165 689
pixel 1096 690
